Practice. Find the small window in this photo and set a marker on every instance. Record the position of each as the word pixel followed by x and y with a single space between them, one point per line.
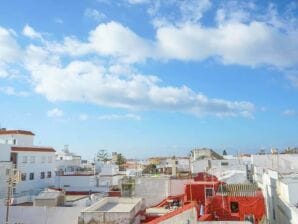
pixel 31 176
pixel 43 159
pixel 14 141
pixel 7 172
pixel 23 176
pixel 249 218
pixel 224 163
pixel 42 175
pixel 234 207
pixel 32 159
pixel 208 192
pixel 50 159
pixel 49 174
pixel 25 159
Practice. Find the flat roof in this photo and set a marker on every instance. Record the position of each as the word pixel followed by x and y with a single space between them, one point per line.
pixel 114 205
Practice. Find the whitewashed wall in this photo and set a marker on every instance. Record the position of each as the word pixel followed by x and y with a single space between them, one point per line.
pixel 41 215
pixel 156 189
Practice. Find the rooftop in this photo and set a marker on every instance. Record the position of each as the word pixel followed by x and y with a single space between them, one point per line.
pixel 31 149
pixel 3 131
pixel 114 204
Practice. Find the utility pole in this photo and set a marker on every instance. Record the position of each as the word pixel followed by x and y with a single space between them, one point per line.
pixel 13 179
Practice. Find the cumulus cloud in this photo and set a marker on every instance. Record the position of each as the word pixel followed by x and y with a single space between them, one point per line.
pixel 55 113
pixel 250 44
pixel 109 39
pixel 9 48
pixel 91 82
pixel 193 10
pixel 95 14
pixel 28 31
pixel 10 52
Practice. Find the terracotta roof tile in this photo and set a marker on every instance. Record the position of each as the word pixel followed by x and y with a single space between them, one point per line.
pixel 32 149
pixel 22 132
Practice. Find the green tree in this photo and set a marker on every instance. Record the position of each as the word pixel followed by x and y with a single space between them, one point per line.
pixel 150 169
pixel 102 156
pixel 120 161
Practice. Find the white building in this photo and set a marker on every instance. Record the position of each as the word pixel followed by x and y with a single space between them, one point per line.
pixel 232 170
pixel 109 175
pixel 114 210
pixel 277 176
pixel 204 153
pixel 173 165
pixel 36 164
pixel 67 162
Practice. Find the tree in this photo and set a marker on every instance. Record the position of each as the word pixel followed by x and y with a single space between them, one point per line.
pixel 224 153
pixel 120 161
pixel 150 169
pixel 102 156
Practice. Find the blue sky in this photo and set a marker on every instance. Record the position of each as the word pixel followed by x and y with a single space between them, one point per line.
pixel 151 77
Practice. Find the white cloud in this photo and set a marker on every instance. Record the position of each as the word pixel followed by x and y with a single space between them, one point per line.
pixel 9 49
pixel 138 1
pixel 250 44
pixel 95 14
pixel 55 113
pixel 193 10
pixel 9 90
pixel 92 82
pixel 10 52
pixel 58 20
pixel 28 31
pixel 119 117
pixel 109 39
pixel 289 112
pixel 293 78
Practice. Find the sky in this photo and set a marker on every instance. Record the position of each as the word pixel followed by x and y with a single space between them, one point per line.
pixel 151 77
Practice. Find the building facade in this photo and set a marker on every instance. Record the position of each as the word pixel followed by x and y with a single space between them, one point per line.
pixel 34 163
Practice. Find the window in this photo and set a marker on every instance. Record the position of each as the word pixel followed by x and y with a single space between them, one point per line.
pixel 14 142
pixel 42 175
pixel 31 176
pixel 25 159
pixel 43 159
pixel 224 163
pixel 23 176
pixel 50 159
pixel 7 172
pixel 234 207
pixel 208 192
pixel 49 174
pixel 249 218
pixel 32 159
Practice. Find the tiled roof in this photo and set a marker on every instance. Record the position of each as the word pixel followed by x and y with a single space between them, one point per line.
pixel 238 190
pixel 32 149
pixel 22 132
